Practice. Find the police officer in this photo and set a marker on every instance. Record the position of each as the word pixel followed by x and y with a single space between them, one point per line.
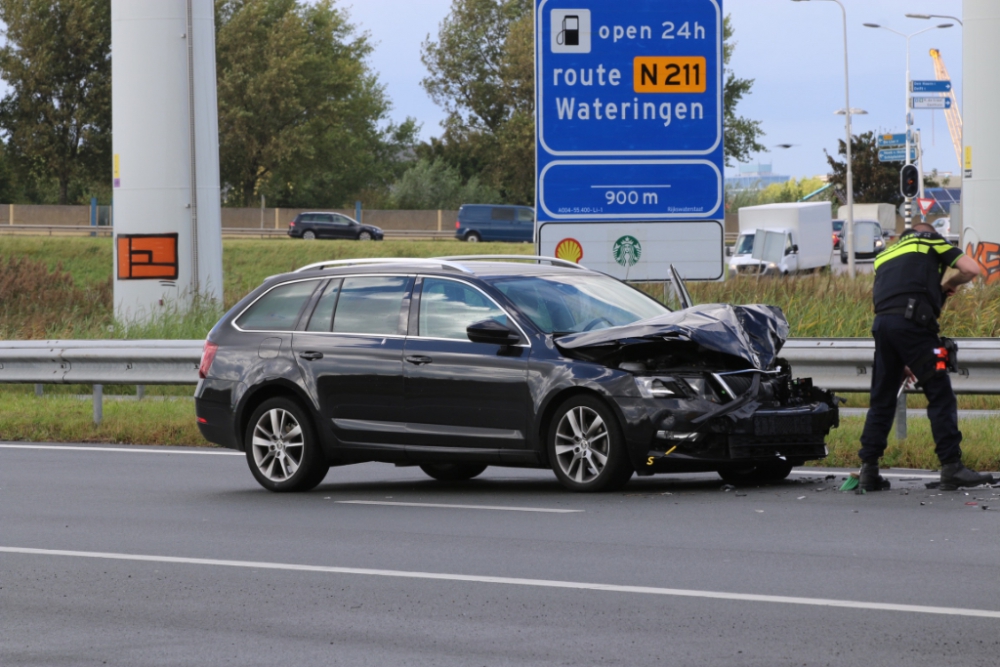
pixel 908 295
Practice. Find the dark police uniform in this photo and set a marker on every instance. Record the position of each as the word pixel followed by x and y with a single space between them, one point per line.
pixel 908 300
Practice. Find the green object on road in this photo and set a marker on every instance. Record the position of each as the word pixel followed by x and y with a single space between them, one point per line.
pixel 851 482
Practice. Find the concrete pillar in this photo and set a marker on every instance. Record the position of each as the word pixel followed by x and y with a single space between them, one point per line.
pixel 981 130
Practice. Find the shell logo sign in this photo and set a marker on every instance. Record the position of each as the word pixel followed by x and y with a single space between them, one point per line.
pixel 570 250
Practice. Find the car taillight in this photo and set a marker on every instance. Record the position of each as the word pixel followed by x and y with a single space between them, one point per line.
pixel 207 357
pixel 457 224
pixel 291 224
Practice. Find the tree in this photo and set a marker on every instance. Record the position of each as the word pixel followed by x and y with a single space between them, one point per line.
pixel 301 117
pixel 481 70
pixel 438 185
pixel 57 113
pixel 874 182
pixel 742 135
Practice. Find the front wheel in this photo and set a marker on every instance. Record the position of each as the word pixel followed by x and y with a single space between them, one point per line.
pixel 453 472
pixel 365 236
pixel 473 237
pixel 586 446
pixel 282 448
pixel 760 473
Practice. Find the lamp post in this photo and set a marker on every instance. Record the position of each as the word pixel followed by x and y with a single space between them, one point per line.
pixel 935 16
pixel 906 100
pixel 849 235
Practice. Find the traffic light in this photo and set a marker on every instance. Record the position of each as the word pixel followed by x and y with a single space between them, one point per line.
pixel 909 181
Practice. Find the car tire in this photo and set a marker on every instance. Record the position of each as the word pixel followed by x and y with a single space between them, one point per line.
pixel 365 236
pixel 473 237
pixel 309 235
pixel 282 448
pixel 843 259
pixel 453 472
pixel 761 473
pixel 586 446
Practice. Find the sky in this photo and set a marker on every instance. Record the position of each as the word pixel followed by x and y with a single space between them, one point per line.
pixel 792 50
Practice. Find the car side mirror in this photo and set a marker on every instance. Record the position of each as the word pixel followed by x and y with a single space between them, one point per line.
pixel 729 251
pixel 491 331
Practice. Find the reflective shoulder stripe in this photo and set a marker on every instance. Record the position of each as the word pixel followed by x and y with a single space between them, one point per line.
pixel 901 248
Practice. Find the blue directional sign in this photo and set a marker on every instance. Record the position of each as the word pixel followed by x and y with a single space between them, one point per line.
pixel 897 154
pixel 943 86
pixel 930 102
pixel 628 110
pixel 891 140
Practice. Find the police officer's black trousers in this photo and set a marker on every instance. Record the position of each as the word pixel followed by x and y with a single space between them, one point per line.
pixel 900 342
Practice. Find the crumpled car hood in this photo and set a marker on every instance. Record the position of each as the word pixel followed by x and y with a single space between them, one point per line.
pixel 754 333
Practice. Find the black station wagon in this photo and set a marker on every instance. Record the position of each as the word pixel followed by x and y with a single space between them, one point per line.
pixel 455 364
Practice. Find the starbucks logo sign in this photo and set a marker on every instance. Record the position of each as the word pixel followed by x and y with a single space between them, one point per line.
pixel 627 251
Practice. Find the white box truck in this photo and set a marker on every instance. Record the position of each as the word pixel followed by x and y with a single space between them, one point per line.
pixel 807 230
pixel 884 214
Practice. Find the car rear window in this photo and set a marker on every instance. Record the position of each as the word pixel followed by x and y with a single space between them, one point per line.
pixel 371 305
pixel 278 309
pixel 502 213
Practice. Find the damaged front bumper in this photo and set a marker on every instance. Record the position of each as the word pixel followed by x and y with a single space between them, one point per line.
pixel 694 434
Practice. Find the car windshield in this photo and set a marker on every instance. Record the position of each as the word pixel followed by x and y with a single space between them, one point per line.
pixel 744 246
pixel 567 303
pixel 838 225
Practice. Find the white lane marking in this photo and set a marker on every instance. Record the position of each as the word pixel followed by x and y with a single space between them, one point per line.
pixel 538 583
pixel 128 450
pixel 500 508
pixel 824 472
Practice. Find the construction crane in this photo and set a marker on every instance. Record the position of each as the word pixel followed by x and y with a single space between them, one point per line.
pixel 952 115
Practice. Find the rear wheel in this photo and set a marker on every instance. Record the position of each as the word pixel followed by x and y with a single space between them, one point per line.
pixel 309 235
pixel 453 472
pixel 473 237
pixel 282 448
pixel 586 446
pixel 760 473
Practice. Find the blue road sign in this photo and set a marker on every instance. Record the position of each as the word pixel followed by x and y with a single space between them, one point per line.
pixel 891 140
pixel 930 86
pixel 628 110
pixel 897 154
pixel 930 102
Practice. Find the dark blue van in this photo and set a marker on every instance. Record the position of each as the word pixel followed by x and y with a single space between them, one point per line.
pixel 486 222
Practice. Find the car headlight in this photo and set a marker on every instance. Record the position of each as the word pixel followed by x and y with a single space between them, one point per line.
pixel 660 387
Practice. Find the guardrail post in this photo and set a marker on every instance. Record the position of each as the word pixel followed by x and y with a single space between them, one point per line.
pixel 39 389
pixel 140 391
pixel 901 417
pixel 98 403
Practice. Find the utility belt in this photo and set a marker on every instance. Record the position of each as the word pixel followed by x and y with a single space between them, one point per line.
pixel 942 359
pixel 917 311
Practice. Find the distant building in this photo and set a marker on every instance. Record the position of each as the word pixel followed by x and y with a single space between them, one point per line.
pixel 755 177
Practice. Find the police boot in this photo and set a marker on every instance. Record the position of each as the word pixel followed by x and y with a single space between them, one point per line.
pixel 871 480
pixel 954 475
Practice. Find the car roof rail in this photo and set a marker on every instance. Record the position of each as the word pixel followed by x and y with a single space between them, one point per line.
pixel 435 261
pixel 555 261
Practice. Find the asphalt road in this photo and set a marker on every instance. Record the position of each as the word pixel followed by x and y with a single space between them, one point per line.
pixel 172 556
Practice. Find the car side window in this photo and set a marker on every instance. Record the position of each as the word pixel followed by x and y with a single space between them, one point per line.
pixel 341 221
pixel 502 213
pixel 322 316
pixel 525 215
pixel 279 309
pixel 447 307
pixel 325 218
pixel 371 305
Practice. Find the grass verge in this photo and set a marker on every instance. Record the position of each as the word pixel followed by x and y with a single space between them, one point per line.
pixel 63 418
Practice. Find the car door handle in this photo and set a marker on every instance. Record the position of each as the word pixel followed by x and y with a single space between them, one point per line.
pixel 311 356
pixel 418 359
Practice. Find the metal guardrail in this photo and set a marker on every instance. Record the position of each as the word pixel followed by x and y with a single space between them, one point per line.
pixel 227 232
pixel 839 364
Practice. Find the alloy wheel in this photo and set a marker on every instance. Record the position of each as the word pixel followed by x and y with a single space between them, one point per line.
pixel 582 444
pixel 278 445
